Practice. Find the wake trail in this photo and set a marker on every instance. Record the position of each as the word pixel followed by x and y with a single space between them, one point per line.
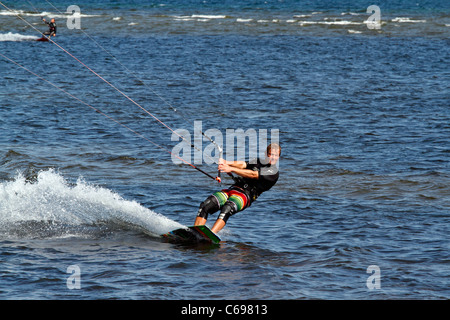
pixel 16 37
pixel 51 203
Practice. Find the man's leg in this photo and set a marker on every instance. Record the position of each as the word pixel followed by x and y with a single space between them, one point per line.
pixel 210 205
pixel 218 225
pixel 228 209
pixel 236 202
pixel 199 221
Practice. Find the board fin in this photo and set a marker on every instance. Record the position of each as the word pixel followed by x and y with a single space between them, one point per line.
pixel 193 234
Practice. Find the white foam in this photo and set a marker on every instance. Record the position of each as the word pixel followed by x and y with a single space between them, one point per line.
pixel 408 20
pixel 243 20
pixel 183 18
pixel 206 16
pixel 350 13
pixel 343 22
pixel 51 198
pixel 11 12
pixel 16 37
pixel 340 22
pixel 45 14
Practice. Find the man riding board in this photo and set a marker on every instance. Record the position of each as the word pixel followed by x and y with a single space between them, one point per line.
pixel 51 28
pixel 254 179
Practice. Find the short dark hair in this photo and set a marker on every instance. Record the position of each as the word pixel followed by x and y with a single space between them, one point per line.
pixel 273 146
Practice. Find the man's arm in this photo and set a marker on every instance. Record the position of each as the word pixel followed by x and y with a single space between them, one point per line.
pixel 237 167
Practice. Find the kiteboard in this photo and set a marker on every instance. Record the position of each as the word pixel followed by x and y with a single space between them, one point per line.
pixel 193 234
pixel 43 38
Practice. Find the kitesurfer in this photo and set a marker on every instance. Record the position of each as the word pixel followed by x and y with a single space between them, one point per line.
pixel 254 179
pixel 51 27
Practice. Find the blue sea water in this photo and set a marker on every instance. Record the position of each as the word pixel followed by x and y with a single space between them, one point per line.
pixel 363 119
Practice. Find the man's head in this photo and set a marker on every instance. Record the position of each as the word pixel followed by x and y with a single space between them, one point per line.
pixel 273 153
pixel 53 20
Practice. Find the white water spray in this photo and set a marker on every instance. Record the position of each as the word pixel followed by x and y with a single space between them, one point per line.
pixel 51 200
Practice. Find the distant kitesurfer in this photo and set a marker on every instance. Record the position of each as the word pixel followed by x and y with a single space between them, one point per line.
pixel 254 179
pixel 51 27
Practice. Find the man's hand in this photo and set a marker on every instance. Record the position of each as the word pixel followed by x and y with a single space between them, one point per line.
pixel 223 167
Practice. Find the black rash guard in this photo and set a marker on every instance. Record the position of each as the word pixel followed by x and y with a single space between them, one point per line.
pixel 51 28
pixel 267 177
